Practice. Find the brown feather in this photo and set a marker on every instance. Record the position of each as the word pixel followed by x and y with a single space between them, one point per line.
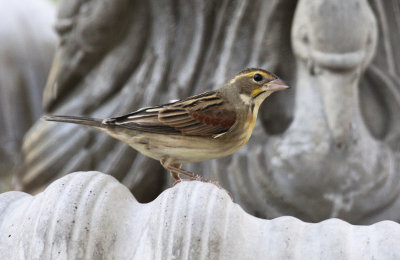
pixel 205 115
pixel 202 115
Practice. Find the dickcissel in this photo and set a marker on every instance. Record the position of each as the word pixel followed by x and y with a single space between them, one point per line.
pixel 198 128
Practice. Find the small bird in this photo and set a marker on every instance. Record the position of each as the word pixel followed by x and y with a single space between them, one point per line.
pixel 206 126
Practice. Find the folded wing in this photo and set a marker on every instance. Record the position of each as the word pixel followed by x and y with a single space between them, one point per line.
pixel 202 115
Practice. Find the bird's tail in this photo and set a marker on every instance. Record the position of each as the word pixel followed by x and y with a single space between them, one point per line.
pixel 93 122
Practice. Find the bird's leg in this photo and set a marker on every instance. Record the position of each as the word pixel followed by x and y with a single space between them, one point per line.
pixel 174 173
pixel 175 170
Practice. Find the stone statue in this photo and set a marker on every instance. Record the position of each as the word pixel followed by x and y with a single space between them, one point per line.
pixel 334 158
pixel 27 44
pixel 329 149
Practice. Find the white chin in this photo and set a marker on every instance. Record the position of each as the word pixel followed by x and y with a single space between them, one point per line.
pixel 245 98
pixel 257 101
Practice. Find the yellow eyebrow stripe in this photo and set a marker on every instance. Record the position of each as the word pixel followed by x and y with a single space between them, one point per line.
pixel 251 74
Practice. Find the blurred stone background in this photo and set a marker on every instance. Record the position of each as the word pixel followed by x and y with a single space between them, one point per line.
pixel 27 44
pixel 328 148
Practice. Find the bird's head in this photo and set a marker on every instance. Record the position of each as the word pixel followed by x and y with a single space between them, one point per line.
pixel 255 85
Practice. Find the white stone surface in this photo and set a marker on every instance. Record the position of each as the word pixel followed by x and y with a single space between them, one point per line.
pixel 89 215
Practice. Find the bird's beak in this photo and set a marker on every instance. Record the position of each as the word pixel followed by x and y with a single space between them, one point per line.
pixel 276 85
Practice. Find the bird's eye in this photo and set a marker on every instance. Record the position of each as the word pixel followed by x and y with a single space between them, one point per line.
pixel 257 77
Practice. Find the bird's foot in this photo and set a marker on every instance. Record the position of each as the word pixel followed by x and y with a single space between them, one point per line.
pixel 177 181
pixel 175 171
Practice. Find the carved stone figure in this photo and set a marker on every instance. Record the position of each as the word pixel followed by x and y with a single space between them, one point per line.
pixel 27 44
pixel 332 160
pixel 329 149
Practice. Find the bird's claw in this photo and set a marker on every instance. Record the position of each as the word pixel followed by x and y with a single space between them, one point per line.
pixel 177 181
